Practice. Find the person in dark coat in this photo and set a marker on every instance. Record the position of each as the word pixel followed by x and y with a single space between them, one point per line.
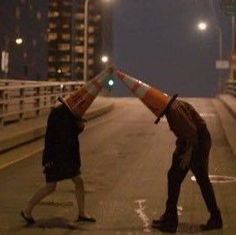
pixel 192 152
pixel 61 159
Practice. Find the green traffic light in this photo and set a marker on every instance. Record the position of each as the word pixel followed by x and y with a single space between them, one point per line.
pixel 110 82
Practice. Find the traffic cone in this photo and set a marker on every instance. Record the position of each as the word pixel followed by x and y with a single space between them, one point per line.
pixel 157 101
pixel 79 101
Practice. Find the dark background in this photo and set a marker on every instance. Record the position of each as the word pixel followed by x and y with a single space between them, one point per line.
pixel 157 41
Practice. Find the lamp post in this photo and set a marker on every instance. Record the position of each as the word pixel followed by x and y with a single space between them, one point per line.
pixel 86 3
pixel 85 59
pixel 202 26
pixel 5 54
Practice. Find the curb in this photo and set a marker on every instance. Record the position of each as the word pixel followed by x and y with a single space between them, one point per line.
pixel 228 107
pixel 228 122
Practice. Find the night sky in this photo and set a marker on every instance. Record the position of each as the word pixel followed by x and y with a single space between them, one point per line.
pixel 157 41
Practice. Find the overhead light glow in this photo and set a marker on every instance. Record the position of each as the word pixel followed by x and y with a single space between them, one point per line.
pixel 19 41
pixel 104 59
pixel 202 26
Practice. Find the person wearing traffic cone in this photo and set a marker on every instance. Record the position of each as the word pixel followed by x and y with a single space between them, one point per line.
pixel 157 101
pixel 191 153
pixel 61 155
pixel 81 99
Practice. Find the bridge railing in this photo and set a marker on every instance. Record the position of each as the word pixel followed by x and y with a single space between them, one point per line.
pixel 10 82
pixel 21 101
pixel 231 87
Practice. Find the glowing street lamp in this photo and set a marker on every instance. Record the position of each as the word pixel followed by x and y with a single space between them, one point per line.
pixel 5 56
pixel 19 41
pixel 202 26
pixel 104 59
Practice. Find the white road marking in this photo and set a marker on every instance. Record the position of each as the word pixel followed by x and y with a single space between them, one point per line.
pixel 180 210
pixel 207 114
pixel 142 215
pixel 221 179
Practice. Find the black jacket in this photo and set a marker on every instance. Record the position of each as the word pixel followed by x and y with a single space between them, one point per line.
pixel 61 155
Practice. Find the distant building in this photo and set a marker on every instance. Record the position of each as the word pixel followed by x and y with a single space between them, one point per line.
pixel 26 22
pixel 50 38
pixel 66 38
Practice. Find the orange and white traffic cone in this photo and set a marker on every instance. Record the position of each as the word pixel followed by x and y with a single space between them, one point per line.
pixel 157 101
pixel 80 100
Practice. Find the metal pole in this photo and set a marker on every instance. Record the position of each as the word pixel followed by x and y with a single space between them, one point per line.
pixel 220 43
pixel 233 34
pixel 220 57
pixel 86 40
pixel 6 48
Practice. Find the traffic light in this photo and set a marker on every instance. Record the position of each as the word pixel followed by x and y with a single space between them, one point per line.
pixel 109 83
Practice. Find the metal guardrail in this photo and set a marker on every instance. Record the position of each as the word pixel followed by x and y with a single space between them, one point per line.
pixel 10 82
pixel 231 87
pixel 28 100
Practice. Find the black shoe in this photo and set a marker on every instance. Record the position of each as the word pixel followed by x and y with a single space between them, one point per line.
pixel 166 223
pixel 86 219
pixel 28 220
pixel 214 222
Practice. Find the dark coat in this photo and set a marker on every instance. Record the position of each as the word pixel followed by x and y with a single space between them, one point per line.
pixel 188 126
pixel 61 155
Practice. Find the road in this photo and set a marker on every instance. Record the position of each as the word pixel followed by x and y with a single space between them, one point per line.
pixel 125 158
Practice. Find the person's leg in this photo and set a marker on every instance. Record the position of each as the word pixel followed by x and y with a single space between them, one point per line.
pixel 176 176
pixel 169 220
pixel 199 168
pixel 80 198
pixel 79 193
pixel 47 189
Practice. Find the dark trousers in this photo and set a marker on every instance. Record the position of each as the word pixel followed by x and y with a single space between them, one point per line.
pixel 199 167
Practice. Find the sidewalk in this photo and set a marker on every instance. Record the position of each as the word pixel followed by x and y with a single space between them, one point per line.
pixel 226 109
pixel 24 139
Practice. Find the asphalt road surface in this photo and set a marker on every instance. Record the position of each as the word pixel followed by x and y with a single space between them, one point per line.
pixel 125 158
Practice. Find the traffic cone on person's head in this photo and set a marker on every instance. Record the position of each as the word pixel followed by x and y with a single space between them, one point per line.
pixel 80 100
pixel 157 101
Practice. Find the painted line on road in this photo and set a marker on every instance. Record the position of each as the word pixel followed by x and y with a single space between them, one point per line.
pixel 35 152
pixel 141 214
pixel 207 114
pixel 221 179
pixel 179 210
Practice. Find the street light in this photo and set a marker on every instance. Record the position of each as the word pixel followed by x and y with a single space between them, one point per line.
pixel 202 26
pixel 5 54
pixel 104 59
pixel 19 41
pixel 86 9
